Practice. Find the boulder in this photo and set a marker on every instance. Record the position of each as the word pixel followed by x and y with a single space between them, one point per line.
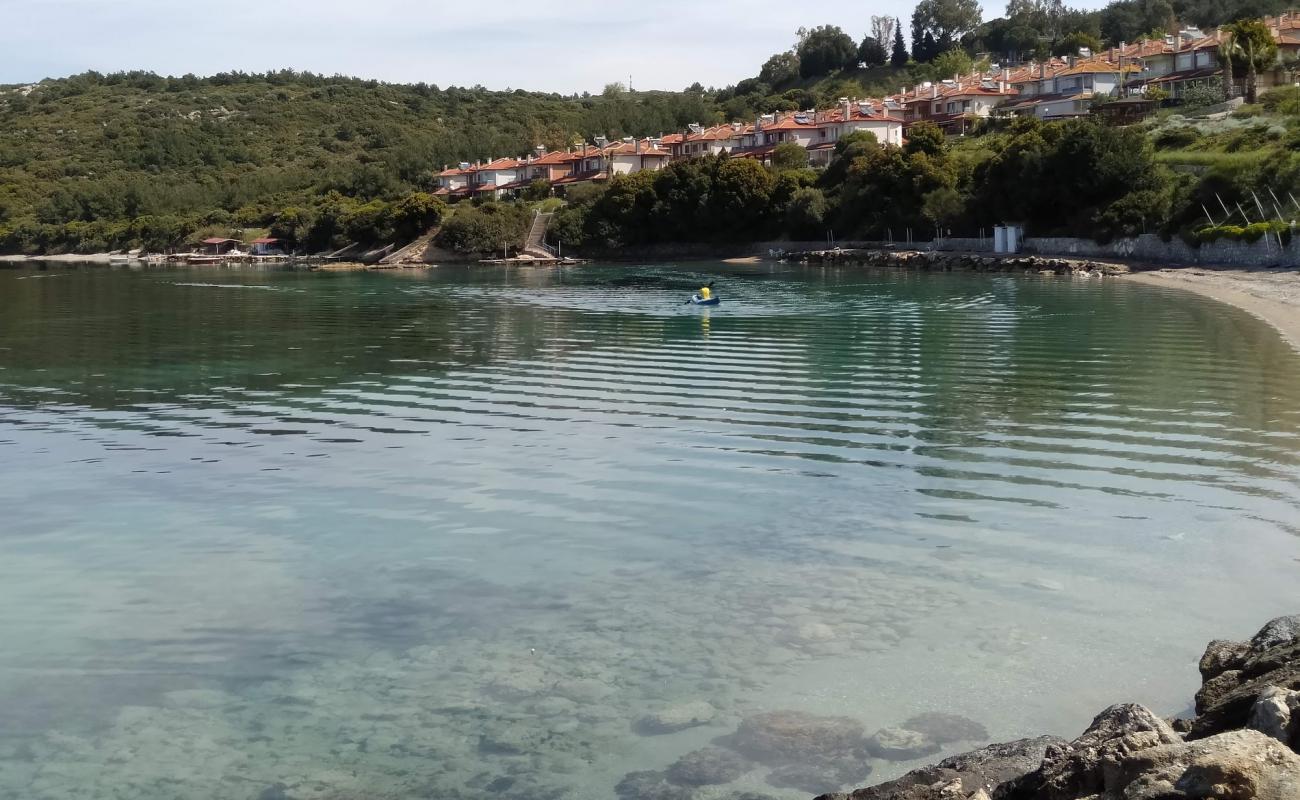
pixel 900 744
pixel 1080 769
pixel 1216 688
pixel 1221 656
pixel 1226 705
pixel 1239 765
pixel 978 770
pixel 676 718
pixel 1277 633
pixel 945 728
pixel 1276 713
pixel 783 737
pixel 706 766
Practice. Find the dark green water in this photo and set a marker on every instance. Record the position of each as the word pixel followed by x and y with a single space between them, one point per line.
pixel 451 534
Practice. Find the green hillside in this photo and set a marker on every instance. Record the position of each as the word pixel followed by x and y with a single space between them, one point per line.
pixel 95 152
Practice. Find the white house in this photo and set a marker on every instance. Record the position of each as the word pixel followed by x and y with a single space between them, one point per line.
pixel 494 177
pixel 632 156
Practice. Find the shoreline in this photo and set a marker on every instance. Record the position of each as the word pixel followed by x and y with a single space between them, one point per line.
pixel 1270 295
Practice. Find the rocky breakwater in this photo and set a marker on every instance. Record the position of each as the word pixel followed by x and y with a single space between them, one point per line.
pixel 1243 743
pixel 937 261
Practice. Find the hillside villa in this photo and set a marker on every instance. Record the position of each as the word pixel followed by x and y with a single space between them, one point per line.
pixel 1058 88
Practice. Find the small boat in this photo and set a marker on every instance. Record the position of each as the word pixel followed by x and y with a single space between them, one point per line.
pixel 700 301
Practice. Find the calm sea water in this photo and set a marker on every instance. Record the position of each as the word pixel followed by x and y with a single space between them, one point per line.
pixel 452 534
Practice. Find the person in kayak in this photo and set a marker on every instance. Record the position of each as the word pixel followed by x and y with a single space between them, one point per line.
pixel 706 292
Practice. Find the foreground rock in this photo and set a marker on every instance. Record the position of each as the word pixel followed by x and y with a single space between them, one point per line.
pixel 964 775
pixel 1244 743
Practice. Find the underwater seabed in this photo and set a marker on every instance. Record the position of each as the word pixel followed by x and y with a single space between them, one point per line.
pixel 769 670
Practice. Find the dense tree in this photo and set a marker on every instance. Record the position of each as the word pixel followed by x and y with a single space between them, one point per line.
pixel 872 53
pixel 824 50
pixel 485 230
pixel 805 214
pixel 955 61
pixel 1070 44
pixel 788 156
pixel 780 69
pixel 1059 178
pixel 898 56
pixel 1131 20
pixel 945 22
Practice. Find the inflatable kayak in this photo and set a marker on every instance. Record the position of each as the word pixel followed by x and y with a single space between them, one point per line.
pixel 699 301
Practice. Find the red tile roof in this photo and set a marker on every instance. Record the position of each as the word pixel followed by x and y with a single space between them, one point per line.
pixel 581 177
pixel 553 158
pixel 499 164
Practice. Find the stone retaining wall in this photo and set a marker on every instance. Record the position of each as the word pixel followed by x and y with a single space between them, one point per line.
pixel 1146 248
pixel 937 261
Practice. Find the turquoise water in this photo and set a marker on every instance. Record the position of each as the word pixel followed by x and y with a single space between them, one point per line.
pixel 452 534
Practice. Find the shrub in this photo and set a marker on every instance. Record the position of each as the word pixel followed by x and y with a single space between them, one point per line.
pixel 1176 138
pixel 1244 233
pixel 1200 95
pixel 1282 100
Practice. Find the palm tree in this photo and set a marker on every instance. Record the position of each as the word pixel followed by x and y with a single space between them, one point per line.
pixel 1253 40
pixel 1227 50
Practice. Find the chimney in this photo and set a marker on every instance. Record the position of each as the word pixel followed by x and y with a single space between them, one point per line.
pixel 540 150
pixel 934 91
pixel 601 141
pixel 845 108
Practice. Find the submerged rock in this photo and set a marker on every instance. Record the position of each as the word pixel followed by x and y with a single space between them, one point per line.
pixel 901 744
pixel 819 776
pixel 649 785
pixel 945 728
pixel 782 737
pixel 708 765
pixel 676 718
pixel 976 771
pixel 275 791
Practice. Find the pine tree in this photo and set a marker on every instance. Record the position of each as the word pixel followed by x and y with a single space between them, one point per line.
pixel 899 57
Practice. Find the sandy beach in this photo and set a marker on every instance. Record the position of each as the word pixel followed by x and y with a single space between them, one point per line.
pixel 1273 295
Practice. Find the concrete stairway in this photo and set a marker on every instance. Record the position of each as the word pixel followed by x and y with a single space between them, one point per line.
pixel 535 244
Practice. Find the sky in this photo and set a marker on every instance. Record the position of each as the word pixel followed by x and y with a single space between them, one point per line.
pixel 568 46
